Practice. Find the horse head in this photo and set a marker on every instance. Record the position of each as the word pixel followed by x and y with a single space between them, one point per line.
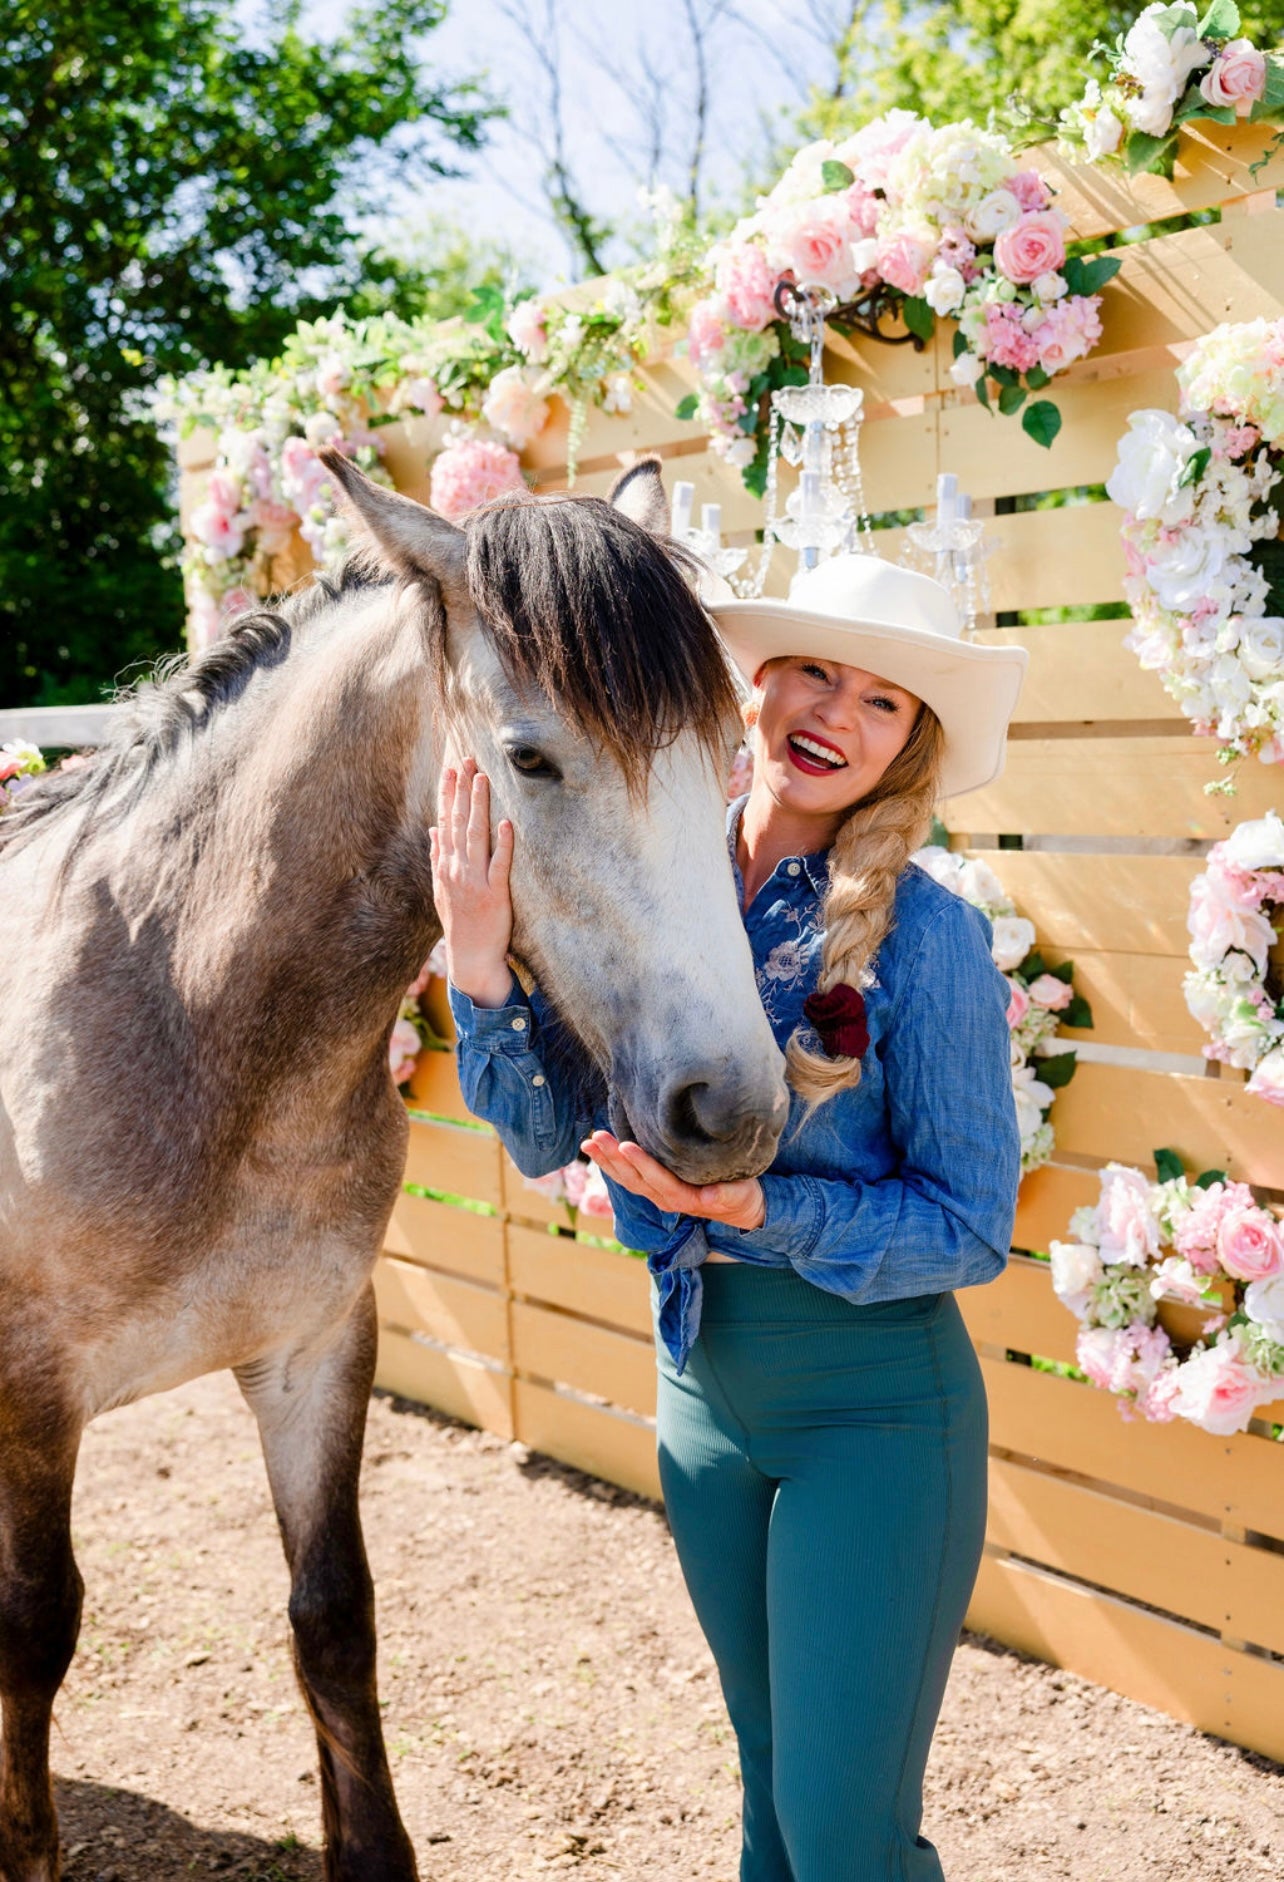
pixel 574 660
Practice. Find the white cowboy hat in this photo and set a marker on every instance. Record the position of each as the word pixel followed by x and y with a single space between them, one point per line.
pixel 863 612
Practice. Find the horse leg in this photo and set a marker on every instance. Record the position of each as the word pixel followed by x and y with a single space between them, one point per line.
pixel 311 1412
pixel 40 1591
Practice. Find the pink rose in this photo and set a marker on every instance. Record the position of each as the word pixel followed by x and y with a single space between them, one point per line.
pixel 222 534
pixel 1125 1221
pixel 903 263
pixel 1236 77
pixel 1048 991
pixel 1030 189
pixel 1069 329
pixel 1195 1233
pixel 745 284
pixel 1033 246
pixel 224 492
pixel 1221 917
pixel 813 242
pixel 574 1177
pixel 596 1199
pixel 1250 1244
pixel 1018 1002
pixel 1219 1390
pixel 403 1050
pixel 527 332
pixel 1268 1077
pixel 275 523
pixel 470 472
pixel 1006 341
pixel 706 334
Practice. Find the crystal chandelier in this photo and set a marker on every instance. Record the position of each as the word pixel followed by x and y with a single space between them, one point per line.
pixel 949 548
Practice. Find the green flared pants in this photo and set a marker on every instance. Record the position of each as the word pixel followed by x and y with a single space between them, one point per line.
pixel 824 1473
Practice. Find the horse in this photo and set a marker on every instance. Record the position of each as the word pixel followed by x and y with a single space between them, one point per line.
pixel 205 934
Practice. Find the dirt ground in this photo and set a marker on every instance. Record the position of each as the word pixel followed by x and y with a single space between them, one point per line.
pixel 550 1703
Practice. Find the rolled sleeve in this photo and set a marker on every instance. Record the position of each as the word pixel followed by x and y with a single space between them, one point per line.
pixel 505 1081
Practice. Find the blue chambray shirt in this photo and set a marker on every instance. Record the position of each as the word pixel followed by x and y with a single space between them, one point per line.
pixel 904 1186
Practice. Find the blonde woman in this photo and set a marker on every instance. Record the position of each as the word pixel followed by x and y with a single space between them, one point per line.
pixel 822 1423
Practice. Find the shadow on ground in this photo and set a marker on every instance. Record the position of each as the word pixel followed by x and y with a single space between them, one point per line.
pixel 111 1834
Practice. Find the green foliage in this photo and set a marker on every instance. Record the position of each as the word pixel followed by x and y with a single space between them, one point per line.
pixel 1168 1166
pixel 1041 421
pixel 1057 1071
pixel 173 191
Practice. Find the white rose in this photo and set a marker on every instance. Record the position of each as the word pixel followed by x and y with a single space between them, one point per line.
pixel 1153 452
pixel 1013 939
pixel 1076 1269
pixel 1268 1077
pixel 978 883
pixel 1189 568
pixel 940 864
pixel 1102 134
pixel 738 452
pixel 864 254
pixel 945 290
pixel 1257 844
pixel 1264 1303
pixel 987 219
pixel 1161 55
pixel 321 427
pixel 1049 287
pixel 1261 647
pixel 514 407
pixel 966 370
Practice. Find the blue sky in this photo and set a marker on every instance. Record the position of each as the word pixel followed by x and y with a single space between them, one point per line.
pixel 615 56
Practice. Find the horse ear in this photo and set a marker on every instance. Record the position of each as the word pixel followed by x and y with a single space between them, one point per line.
pixel 639 493
pixel 413 539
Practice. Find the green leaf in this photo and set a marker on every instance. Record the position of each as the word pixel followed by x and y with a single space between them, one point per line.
pixel 1032 966
pixel 835 175
pixel 1064 973
pixel 1088 274
pixel 1168 1165
pixel 1078 1014
pixel 1221 20
pixel 1041 421
pixel 1197 106
pixel 1207 1178
pixel 918 317
pixel 1011 399
pixel 959 343
pixel 1036 378
pixel 1056 1071
pixel 1003 375
pixel 1271 103
pixel 686 408
pixel 1196 464
pixel 1143 152
pixel 982 391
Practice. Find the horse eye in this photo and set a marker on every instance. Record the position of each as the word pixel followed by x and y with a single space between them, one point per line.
pixel 531 763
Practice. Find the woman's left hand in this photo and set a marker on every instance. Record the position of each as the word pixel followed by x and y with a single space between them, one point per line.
pixel 740 1205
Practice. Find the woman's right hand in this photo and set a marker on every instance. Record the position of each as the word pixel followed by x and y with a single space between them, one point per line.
pixel 470 886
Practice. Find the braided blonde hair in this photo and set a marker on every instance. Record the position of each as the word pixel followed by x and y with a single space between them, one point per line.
pixel 873 845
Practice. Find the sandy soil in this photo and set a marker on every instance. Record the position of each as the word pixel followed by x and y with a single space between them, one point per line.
pixel 550 1703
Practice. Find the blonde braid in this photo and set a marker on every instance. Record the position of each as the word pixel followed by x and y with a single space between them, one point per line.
pixel 872 847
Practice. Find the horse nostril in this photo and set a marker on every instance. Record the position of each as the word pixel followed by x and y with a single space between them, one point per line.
pixel 697 1113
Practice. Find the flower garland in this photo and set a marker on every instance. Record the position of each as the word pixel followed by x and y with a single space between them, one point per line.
pixel 1204 1244
pixel 1170 68
pixel 1236 917
pixel 1040 998
pixel 899 216
pixel 1204 574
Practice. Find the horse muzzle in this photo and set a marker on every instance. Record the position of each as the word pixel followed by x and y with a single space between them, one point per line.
pixel 709 1124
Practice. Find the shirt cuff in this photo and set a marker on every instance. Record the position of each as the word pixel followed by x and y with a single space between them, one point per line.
pixel 795 1215
pixel 507 1028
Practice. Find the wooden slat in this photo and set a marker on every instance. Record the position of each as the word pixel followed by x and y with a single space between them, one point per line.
pixel 462 1388
pixel 606 1443
pixel 1136 1000
pixel 1115 787
pixel 1047 1200
pixel 1136 904
pixel 1073 1427
pixel 584 1280
pixel 524 1203
pixel 1080 671
pixel 1020 1311
pixel 1194 1573
pixel 592 1359
pixel 1158 1662
pixel 434 1086
pixel 461 1162
pixel 1213 166
pixel 1070 557
pixel 1114 1111
pixel 458 1313
pixel 438 1236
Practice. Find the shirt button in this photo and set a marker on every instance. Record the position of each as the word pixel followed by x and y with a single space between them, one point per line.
pixel 538 1079
pixel 519 1025
pixel 795 869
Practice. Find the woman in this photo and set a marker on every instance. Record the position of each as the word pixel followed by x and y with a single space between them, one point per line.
pixel 822 1422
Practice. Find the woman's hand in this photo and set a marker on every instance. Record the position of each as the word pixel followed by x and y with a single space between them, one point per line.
pixel 740 1205
pixel 470 886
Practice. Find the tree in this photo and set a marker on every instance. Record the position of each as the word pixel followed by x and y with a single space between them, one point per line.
pixel 174 191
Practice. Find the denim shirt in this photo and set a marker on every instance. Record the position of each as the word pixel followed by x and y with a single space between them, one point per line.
pixel 904 1186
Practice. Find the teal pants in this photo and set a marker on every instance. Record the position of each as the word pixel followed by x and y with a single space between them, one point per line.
pixel 824 1472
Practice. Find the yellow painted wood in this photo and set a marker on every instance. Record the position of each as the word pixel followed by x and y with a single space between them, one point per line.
pixel 1135 904
pixel 523 1203
pixel 1175 288
pixel 1048 1199
pixel 1114 787
pixel 438 1236
pixel 1081 671
pixel 565 1351
pixel 434 1086
pixel 1020 1311
pixel 609 1444
pixel 462 1388
pixel 1158 1662
pixel 435 1002
pixel 1058 1423
pixel 1136 1000
pixel 1213 166
pixel 459 1313
pixel 1194 1573
pixel 594 1282
pixel 461 1162
pixel 1072 557
pixel 1114 1111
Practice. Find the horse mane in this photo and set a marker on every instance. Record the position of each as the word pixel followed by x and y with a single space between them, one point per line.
pixel 597 614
